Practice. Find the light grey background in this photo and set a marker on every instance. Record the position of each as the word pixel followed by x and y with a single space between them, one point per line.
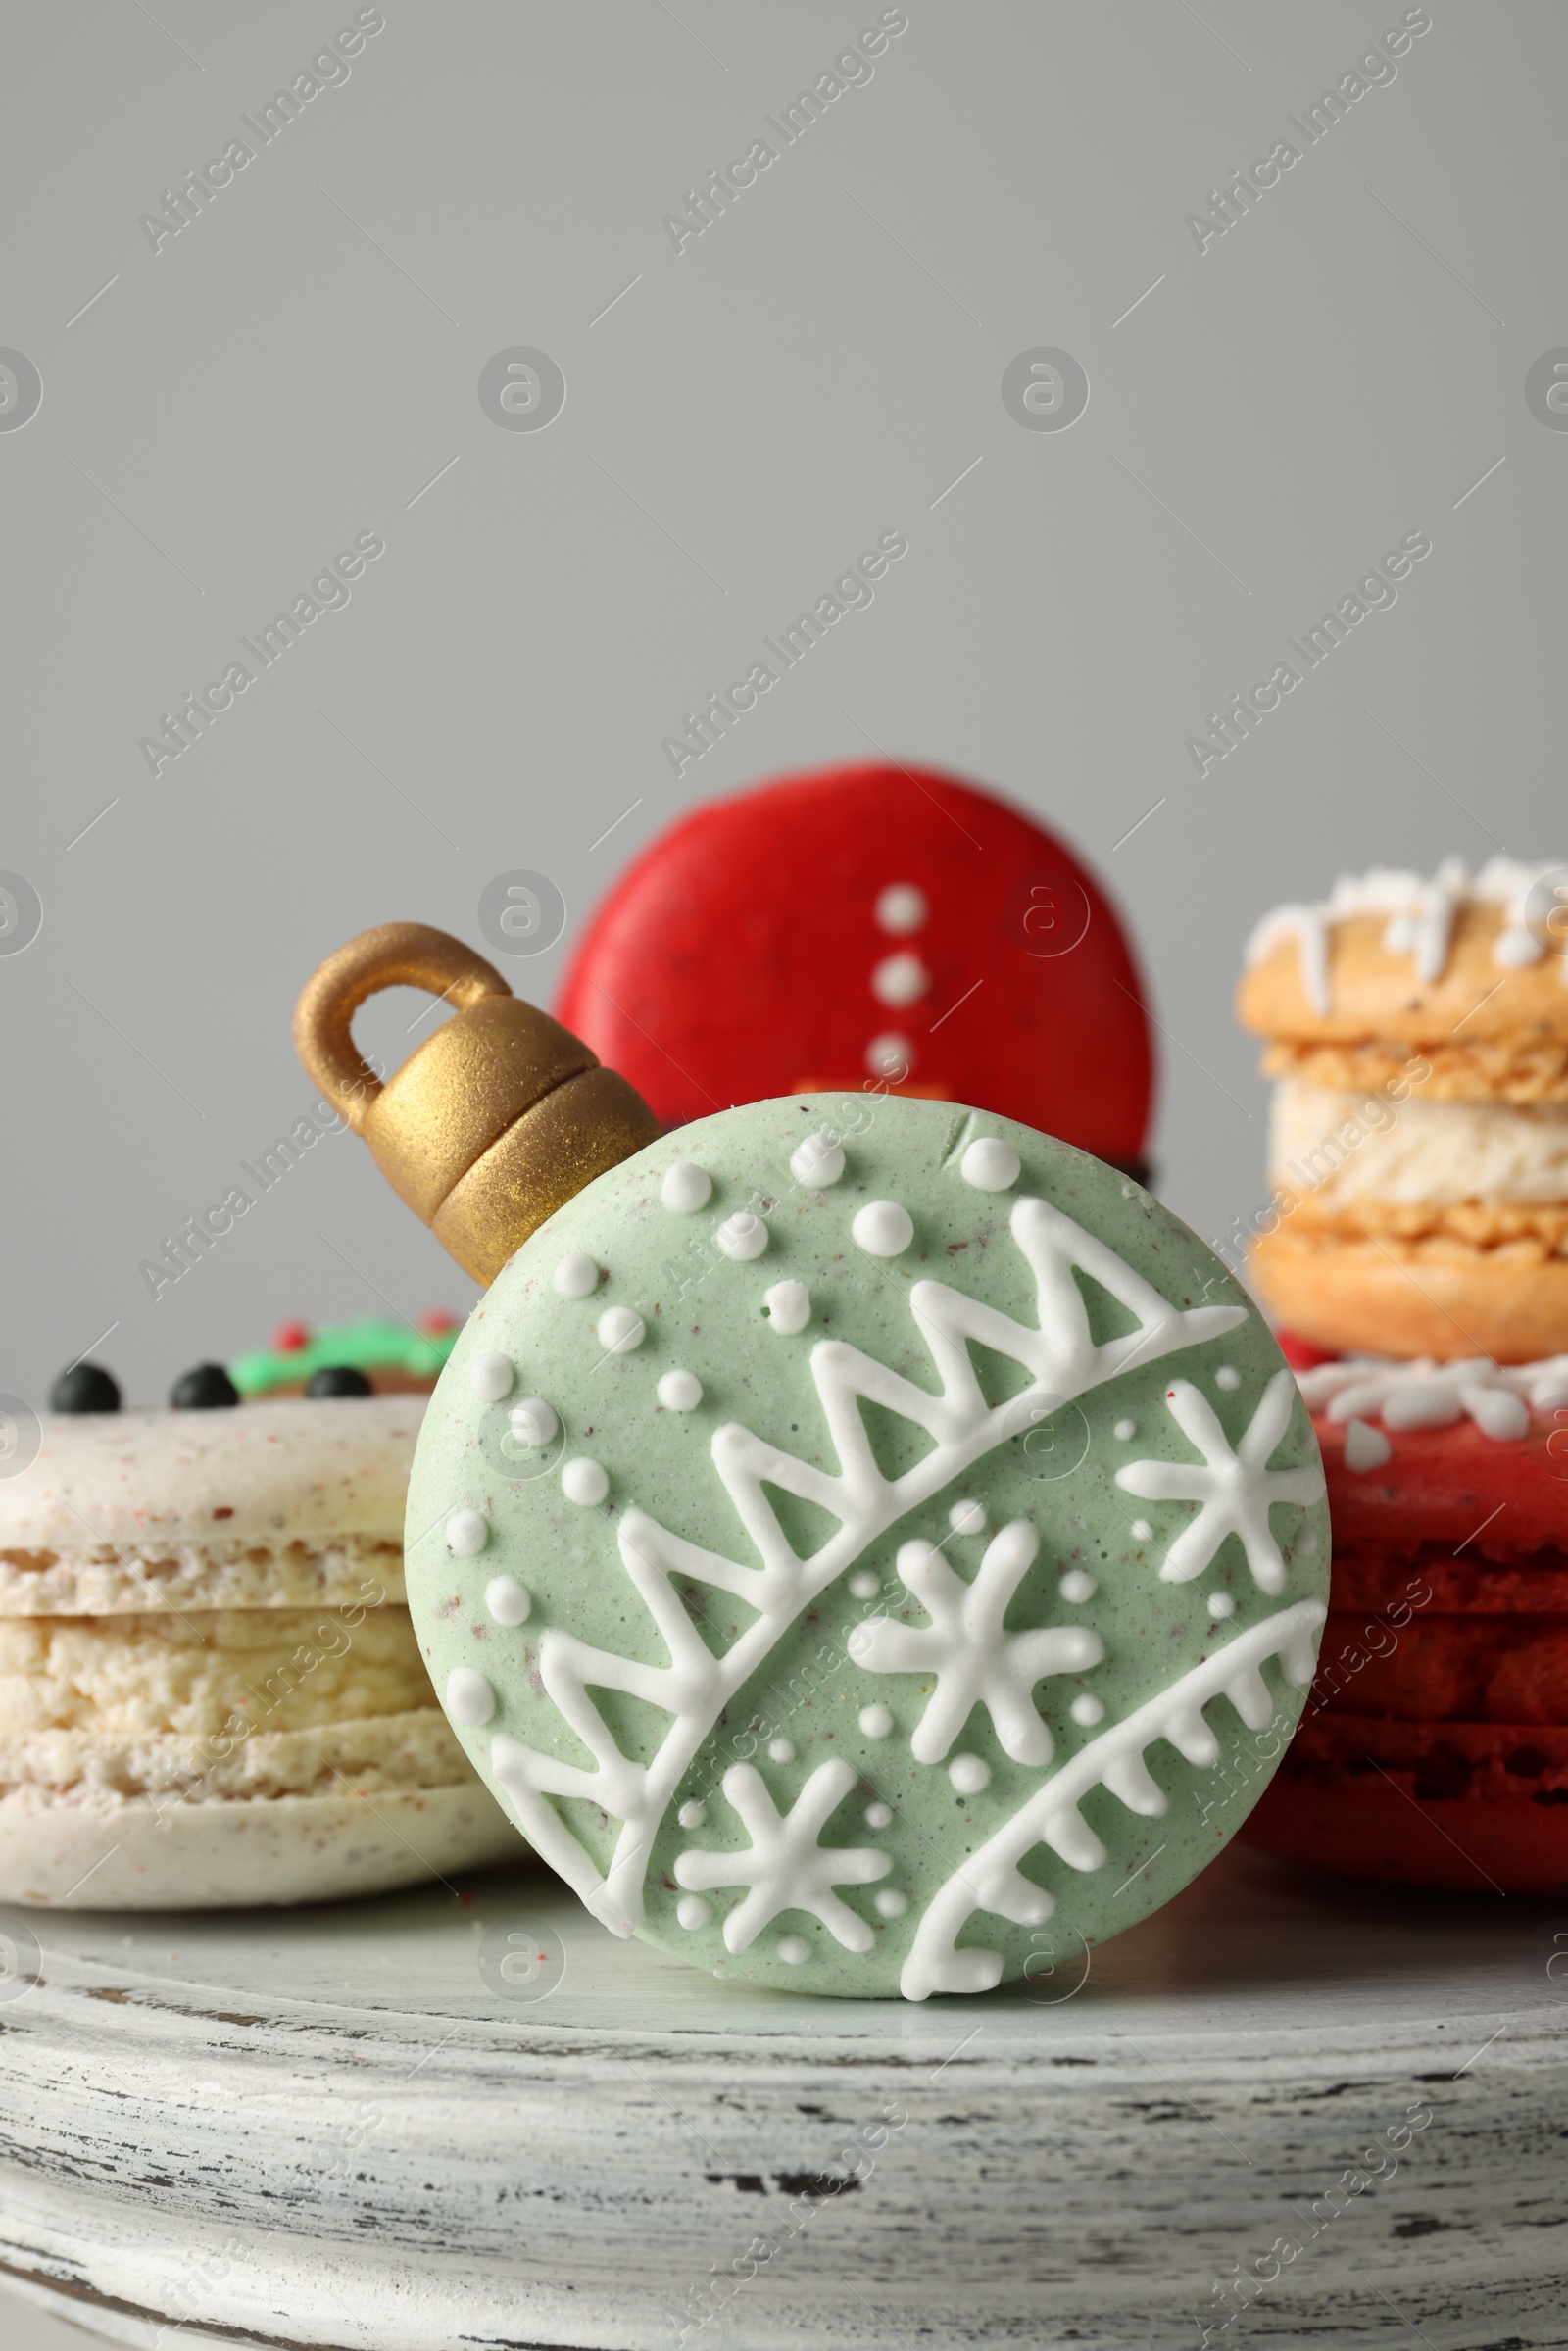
pixel 299 364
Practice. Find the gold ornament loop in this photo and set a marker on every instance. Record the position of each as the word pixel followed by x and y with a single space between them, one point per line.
pixel 393 955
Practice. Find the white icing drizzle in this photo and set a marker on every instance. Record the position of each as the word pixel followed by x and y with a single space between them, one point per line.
pixel 619 1330
pixel 967 1517
pixel 781 1750
pixel 1220 1603
pixel 509 1602
pixel 690 1911
pixel 1428 1395
pixel 865 1584
pixel 817 1161
pixel 533 1422
pixel 876 1721
pixel 1366 1447
pixel 466 1534
pixel 990 1164
pixel 991 1879
pixel 902 908
pixel 883 1228
pixel 1227 1377
pixel 576 1276
pixel 1087 1710
pixel 584 1481
pixel 793 1950
pixel 1062 1361
pixel 1237 1488
pixel 490 1377
pixel 966 1651
pixel 1140 1531
pixel 789 1307
pixel 890 1904
pixel 742 1237
pixel 692 1813
pixel 1420 921
pixel 686 1188
pixel 470 1697
pixel 1125 1431
pixel 1077 1586
pixel 785 1868
pixel 878 1816
pixel 969 1774
pixel 680 1392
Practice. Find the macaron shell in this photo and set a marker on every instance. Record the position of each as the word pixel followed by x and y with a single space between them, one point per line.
pixel 651 1583
pixel 740 956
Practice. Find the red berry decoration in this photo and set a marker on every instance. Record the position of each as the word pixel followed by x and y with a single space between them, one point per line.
pixel 291 1337
pixel 868 927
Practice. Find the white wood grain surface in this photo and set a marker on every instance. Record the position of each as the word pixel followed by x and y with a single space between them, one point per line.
pixel 384 2125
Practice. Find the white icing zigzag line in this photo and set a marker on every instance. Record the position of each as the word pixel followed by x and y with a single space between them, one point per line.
pixel 1236 1490
pixel 966 1652
pixel 785 1868
pixel 991 1880
pixel 696 1685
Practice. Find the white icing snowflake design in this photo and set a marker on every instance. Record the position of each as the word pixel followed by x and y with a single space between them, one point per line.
pixel 1235 1487
pixel 965 1649
pixel 785 1867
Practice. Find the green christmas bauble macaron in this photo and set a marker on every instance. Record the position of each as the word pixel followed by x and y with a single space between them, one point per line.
pixel 868 1546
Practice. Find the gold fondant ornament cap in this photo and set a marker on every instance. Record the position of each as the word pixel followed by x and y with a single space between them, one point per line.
pixel 490 1125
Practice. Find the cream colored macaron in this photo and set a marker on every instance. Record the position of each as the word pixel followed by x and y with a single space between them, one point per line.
pixel 210 1689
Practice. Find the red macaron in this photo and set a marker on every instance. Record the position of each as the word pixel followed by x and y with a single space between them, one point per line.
pixel 871 926
pixel 1434 1749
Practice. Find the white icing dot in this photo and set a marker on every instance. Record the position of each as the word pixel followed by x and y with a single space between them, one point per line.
pixel 466 1534
pixel 967 1518
pixel 680 1392
pixel 1220 1603
pixel 901 908
pixel 1366 1447
pixel 490 1377
pixel 508 1601
pixel 584 1481
pixel 989 1165
pixel 619 1330
pixel 686 1188
pixel 1140 1531
pixel 890 1903
pixel 781 1750
pixel 789 1307
pixel 969 1774
pixel 1087 1710
pixel 890 1055
pixel 901 979
pixel 878 1816
pixel 534 1422
pixel 865 1584
pixel 1125 1431
pixel 1227 1376
pixel 875 1720
pixel 469 1697
pixel 817 1161
pixel 742 1237
pixel 692 1911
pixel 1075 1584
pixel 793 1948
pixel 1306 1548
pixel 883 1228
pixel 692 1813
pixel 575 1276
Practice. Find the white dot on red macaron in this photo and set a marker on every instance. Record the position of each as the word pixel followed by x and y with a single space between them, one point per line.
pixel 466 1534
pixel 901 979
pixel 469 1697
pixel 902 908
pixel 575 1276
pixel 990 1164
pixel 883 1228
pixel 491 1377
pixel 686 1188
pixel 890 1055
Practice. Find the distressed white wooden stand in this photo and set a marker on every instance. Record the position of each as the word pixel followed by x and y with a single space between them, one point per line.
pixel 342 2126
